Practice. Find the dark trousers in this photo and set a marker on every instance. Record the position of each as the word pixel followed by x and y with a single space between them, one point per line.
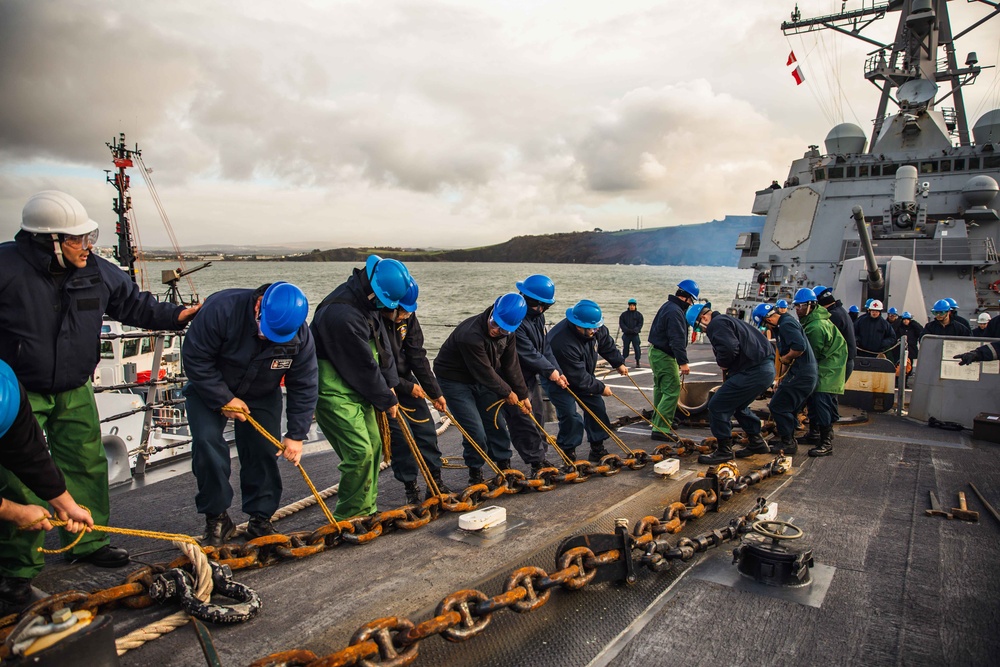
pixel 524 434
pixel 572 424
pixel 633 340
pixel 848 369
pixel 260 481
pixel 734 397
pixel 822 409
pixel 469 403
pixel 789 399
pixel 404 466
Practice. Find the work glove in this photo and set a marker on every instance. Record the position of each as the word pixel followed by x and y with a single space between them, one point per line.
pixel 967 357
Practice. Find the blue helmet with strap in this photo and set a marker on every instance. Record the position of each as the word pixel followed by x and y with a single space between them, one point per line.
pixel 283 310
pixel 10 397
pixel 693 313
pixel 819 289
pixel 941 306
pixel 760 313
pixel 804 295
pixel 409 300
pixel 509 311
pixel 689 286
pixel 389 280
pixel 781 304
pixel 585 314
pixel 537 287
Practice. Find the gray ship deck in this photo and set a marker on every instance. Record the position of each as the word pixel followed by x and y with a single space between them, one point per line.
pixel 906 588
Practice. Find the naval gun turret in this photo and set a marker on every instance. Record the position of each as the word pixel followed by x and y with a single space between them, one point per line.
pixel 876 282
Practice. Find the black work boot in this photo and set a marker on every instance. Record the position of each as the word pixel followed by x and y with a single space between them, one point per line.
pixel 723 452
pixel 412 493
pixel 597 452
pixel 757 445
pixel 538 465
pixel 787 444
pixel 825 447
pixel 219 529
pixel 503 464
pixel 812 437
pixel 571 453
pixel 106 556
pixel 442 487
pixel 259 526
pixel 15 594
pixel 475 476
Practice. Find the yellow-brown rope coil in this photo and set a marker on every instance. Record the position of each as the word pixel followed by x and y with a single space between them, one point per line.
pixel 152 534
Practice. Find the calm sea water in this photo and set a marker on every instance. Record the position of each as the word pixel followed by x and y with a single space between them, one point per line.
pixel 452 291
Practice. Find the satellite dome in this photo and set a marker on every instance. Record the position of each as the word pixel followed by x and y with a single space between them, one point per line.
pixel 845 139
pixel 979 191
pixel 987 128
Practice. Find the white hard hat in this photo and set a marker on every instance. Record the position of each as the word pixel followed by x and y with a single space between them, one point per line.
pixel 875 305
pixel 54 212
pixel 983 318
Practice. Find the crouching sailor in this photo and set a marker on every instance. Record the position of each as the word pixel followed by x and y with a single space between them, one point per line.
pixel 798 382
pixel 235 355
pixel 747 361
pixel 830 349
pixel 54 295
pixel 23 453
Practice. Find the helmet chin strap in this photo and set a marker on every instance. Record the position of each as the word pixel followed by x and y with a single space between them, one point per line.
pixel 57 249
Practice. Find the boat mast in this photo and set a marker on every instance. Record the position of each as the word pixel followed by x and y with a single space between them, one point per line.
pixel 125 252
pixel 924 26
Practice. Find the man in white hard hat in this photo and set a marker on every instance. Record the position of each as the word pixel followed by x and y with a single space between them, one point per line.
pixel 54 295
pixel 982 323
pixel 873 332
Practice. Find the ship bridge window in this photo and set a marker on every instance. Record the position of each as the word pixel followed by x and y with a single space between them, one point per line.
pixel 107 349
pixel 820 174
pixel 928 167
pixel 876 170
pixel 851 172
pixel 863 170
pixel 836 172
pixel 130 347
pixel 960 164
pixel 973 163
pixel 889 169
pixel 945 165
pixel 147 345
pixel 991 162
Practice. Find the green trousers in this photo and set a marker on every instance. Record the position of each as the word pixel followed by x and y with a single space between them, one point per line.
pixel 348 422
pixel 73 430
pixel 666 387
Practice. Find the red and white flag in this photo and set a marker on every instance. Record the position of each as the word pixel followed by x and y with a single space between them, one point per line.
pixel 791 58
pixel 798 76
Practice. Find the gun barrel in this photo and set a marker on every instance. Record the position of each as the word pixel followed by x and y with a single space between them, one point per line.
pixel 875 280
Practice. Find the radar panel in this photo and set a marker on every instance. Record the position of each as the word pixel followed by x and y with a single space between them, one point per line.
pixel 796 213
pixel 916 93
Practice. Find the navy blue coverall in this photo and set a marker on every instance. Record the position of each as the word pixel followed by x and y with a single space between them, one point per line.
pixel 535 358
pixel 747 359
pixel 798 382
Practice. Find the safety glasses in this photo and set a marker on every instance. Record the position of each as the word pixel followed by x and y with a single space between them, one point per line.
pixel 534 303
pixel 81 240
pixel 497 330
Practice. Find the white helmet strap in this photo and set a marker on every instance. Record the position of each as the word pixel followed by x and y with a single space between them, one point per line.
pixel 57 248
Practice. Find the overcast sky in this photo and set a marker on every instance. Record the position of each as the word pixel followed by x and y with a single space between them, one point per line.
pixel 425 123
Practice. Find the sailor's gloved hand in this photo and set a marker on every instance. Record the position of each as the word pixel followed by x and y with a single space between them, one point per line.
pixel 967 357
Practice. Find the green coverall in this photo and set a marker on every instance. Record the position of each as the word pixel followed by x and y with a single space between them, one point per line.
pixel 666 387
pixel 73 430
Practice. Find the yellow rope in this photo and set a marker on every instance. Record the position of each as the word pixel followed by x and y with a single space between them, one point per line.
pixel 274 441
pixel 417 455
pixel 406 412
pixel 618 441
pixel 475 445
pixel 551 441
pixel 643 417
pixel 152 534
pixel 386 435
pixel 660 415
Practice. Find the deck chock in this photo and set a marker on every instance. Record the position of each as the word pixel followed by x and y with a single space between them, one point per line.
pixel 622 569
pixel 775 562
pixel 667 467
pixel 63 639
pixel 483 519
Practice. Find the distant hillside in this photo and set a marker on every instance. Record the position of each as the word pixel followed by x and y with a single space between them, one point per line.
pixel 708 244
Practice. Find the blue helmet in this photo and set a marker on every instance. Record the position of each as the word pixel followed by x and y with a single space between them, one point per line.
pixel 906 315
pixel 819 289
pixel 760 313
pixel 409 300
pixel 537 287
pixel 509 311
pixel 951 302
pixel 941 306
pixel 283 309
pixel 633 302
pixel 781 304
pixel 586 314
pixel 854 309
pixel 689 286
pixel 892 311
pixel 804 295
pixel 10 397
pixel 868 304
pixel 693 313
pixel 389 280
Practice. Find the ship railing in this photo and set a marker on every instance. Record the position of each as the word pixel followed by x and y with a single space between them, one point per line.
pixel 956 251
pixel 760 293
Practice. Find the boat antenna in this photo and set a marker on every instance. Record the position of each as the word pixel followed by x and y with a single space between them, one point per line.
pixel 125 251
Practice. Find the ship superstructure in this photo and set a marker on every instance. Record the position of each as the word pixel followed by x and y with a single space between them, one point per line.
pixel 926 184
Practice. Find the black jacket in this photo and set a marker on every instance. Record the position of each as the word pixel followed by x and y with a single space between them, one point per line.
pixel 874 334
pixel 412 365
pixel 993 328
pixel 577 355
pixel 224 358
pixel 24 453
pixel 792 337
pixel 845 325
pixel 669 331
pixel 50 324
pixel 954 328
pixel 737 345
pixel 913 332
pixel 630 322
pixel 471 356
pixel 344 326
pixel 533 351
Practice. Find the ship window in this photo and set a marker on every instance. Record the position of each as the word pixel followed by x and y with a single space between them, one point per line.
pixel 851 172
pixel 889 169
pixel 147 346
pixel 107 350
pixel 945 165
pixel 836 172
pixel 973 163
pixel 928 167
pixel 960 164
pixel 991 162
pixel 130 347
pixel 876 170
pixel 863 170
pixel 820 174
